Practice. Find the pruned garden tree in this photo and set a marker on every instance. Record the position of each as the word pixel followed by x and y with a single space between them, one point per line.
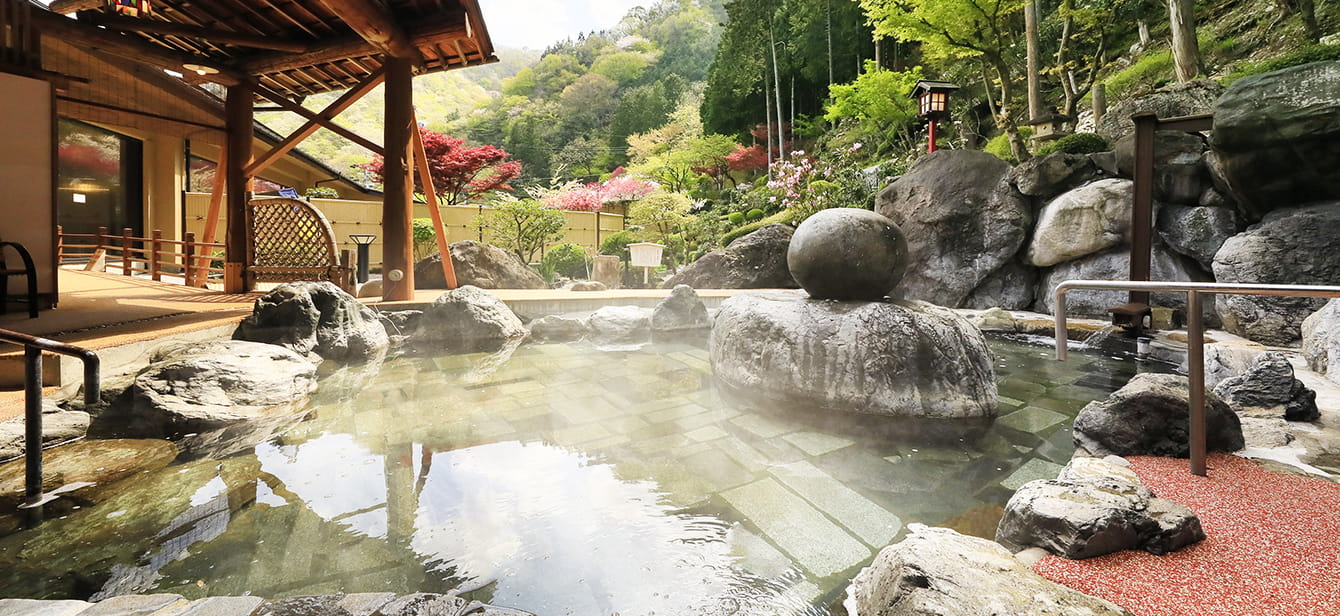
pixel 460 172
pixel 522 226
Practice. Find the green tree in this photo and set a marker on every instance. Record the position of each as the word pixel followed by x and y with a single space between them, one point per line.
pixel 622 66
pixel 880 97
pixel 986 31
pixel 660 214
pixel 523 226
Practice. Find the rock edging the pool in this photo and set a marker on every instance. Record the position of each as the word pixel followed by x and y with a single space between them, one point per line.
pixel 357 604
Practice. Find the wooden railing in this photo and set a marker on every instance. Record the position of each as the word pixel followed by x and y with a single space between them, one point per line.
pixel 191 260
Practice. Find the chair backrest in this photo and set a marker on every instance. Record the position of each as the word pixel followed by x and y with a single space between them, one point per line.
pixel 293 241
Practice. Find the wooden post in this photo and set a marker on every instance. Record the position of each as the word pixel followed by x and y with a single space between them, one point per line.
pixel 1142 213
pixel 126 265
pixel 219 188
pixel 430 193
pixel 155 247
pixel 397 183
pixel 191 265
pixel 238 110
pixel 345 278
pixel 101 239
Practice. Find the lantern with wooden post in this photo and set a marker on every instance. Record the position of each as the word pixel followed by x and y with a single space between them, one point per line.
pixel 933 97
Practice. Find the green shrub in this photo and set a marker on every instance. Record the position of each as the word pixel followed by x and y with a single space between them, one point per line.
pixel 784 216
pixel 321 192
pixel 1306 55
pixel 736 218
pixel 1149 72
pixel 999 146
pixel 1078 143
pixel 425 238
pixel 754 215
pixel 617 243
pixel 566 260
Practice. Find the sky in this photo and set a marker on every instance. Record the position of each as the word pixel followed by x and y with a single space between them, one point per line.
pixel 527 23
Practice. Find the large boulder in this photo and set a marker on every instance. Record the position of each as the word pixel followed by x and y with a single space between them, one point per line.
pixel 558 328
pixel 845 253
pixel 213 397
pixel 1294 246
pixel 962 219
pixel 1181 174
pixel 753 261
pixel 1011 287
pixel 1113 264
pixel 682 310
pixel 936 571
pixel 315 317
pixel 468 319
pixel 902 359
pixel 1044 177
pixel 478 264
pixel 1268 388
pixel 1196 231
pixel 1088 219
pixel 1277 138
pixel 1090 513
pixel 1172 101
pixel 1321 340
pixel 58 425
pixel 1149 416
pixel 620 324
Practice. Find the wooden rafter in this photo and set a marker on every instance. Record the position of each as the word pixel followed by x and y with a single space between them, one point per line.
pixel 92 37
pixel 324 119
pixel 64 7
pixel 374 23
pixel 212 35
pixel 350 47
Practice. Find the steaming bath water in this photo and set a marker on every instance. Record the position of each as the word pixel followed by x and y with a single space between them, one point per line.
pixel 558 479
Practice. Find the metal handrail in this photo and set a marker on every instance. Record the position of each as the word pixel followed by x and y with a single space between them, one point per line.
pixel 1195 332
pixel 32 401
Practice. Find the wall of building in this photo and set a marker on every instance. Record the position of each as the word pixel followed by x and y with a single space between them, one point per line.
pixel 27 165
pixel 362 217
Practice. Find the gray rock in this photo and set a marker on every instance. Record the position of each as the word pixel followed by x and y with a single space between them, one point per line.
pixel 1113 264
pixel 1293 246
pixel 1196 231
pixel 1083 221
pixel 198 388
pixel 1277 138
pixel 1269 387
pixel 754 261
pixel 682 310
pixel 1180 172
pixel 480 265
pixel 1011 287
pixel 846 254
pixel 315 317
pixel 1321 340
pixel 431 604
pixel 962 219
pixel 35 607
pixel 133 605
pixel 1094 516
pixel 1228 359
pixel 1149 417
pixel 558 328
pixel 362 604
pixel 936 571
pixel 1047 176
pixel 904 359
pixel 588 285
pixel 1266 432
pixel 613 324
pixel 400 323
pixel 468 319
pixel 57 426
pixel 1172 101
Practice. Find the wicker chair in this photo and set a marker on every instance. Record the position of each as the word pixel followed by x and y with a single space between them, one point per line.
pixel 294 242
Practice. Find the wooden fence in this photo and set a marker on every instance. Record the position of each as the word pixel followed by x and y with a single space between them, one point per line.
pixel 191 260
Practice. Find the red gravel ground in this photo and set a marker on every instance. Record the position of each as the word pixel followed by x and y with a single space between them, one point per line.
pixel 1272 547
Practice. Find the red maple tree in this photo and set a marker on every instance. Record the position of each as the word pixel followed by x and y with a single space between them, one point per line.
pixel 752 158
pixel 460 172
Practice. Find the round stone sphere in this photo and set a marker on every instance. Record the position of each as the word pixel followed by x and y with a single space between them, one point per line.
pixel 847 254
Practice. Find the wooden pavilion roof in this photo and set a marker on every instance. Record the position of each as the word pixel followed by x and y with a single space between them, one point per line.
pixel 294 48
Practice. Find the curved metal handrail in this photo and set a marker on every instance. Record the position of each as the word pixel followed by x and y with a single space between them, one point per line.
pixel 1195 332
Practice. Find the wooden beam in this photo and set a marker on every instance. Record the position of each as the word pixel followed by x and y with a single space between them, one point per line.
pixel 241 132
pixel 430 193
pixel 351 47
pixel 374 23
pixel 65 7
pixel 128 47
pixel 223 37
pixel 397 184
pixel 317 120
